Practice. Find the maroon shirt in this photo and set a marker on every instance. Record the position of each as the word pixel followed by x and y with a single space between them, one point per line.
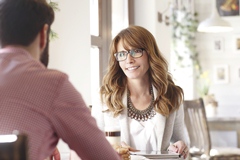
pixel 43 104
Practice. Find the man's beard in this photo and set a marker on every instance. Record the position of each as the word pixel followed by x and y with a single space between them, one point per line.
pixel 45 56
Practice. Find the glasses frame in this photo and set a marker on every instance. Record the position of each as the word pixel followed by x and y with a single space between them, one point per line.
pixel 129 52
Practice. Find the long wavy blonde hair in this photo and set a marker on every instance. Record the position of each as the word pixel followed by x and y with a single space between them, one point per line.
pixel 169 96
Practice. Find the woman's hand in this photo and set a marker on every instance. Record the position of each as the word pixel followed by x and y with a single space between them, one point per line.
pixel 122 151
pixel 179 147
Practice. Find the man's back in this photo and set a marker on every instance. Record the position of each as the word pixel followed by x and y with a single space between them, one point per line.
pixel 44 105
pixel 27 92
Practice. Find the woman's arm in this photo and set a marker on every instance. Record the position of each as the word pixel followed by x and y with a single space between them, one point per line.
pixel 180 134
pixel 179 129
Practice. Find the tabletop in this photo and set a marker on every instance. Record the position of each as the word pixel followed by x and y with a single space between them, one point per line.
pixel 218 123
pixel 156 155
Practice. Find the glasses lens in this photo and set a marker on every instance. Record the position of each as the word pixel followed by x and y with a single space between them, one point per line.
pixel 121 56
pixel 136 53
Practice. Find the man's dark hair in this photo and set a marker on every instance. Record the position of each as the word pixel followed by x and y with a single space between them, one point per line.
pixel 22 20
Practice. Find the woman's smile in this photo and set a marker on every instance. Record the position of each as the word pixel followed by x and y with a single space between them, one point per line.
pixel 132 68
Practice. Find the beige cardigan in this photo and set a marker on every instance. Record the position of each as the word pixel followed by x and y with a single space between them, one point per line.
pixel 169 129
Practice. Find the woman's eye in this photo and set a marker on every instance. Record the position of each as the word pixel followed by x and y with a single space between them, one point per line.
pixel 121 54
pixel 137 50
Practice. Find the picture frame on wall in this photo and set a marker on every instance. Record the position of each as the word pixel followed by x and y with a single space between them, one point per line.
pixel 221 74
pixel 237 44
pixel 238 73
pixel 228 7
pixel 218 44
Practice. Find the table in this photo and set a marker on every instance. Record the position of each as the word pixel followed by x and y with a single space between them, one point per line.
pixel 156 155
pixel 138 158
pixel 225 124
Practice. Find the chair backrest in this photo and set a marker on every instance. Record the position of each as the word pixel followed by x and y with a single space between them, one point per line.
pixel 197 126
pixel 13 147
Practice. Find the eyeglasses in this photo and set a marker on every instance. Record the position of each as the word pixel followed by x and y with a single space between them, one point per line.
pixel 135 53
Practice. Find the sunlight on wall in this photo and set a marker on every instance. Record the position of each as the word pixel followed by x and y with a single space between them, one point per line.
pixel 119 16
pixel 94 18
pixel 95 81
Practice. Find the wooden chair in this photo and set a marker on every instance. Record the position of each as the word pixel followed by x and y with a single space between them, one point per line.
pixel 199 134
pixel 13 147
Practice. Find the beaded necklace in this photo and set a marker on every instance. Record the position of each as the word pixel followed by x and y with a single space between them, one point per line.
pixel 140 115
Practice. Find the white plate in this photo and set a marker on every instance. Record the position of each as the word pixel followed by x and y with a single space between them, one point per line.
pixel 136 157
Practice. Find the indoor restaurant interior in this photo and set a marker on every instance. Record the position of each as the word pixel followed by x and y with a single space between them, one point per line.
pixel 200 40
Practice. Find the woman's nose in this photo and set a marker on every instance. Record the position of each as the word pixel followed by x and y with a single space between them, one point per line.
pixel 129 59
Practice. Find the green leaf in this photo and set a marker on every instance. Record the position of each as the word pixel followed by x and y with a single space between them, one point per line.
pixel 53 35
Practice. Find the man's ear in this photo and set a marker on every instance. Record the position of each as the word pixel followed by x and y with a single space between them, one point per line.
pixel 44 36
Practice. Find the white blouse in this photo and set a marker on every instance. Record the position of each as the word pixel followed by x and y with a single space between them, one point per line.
pixel 142 134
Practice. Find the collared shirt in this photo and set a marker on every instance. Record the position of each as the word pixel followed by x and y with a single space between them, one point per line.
pixel 43 104
pixel 142 134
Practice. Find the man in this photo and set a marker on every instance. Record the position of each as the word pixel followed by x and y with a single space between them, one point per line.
pixel 37 101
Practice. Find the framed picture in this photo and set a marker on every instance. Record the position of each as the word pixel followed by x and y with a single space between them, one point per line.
pixel 238 73
pixel 236 43
pixel 228 7
pixel 221 74
pixel 218 44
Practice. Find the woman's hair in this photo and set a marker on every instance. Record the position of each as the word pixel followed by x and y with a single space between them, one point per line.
pixel 169 96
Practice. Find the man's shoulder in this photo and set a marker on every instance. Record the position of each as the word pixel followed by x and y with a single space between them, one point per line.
pixel 56 72
pixel 52 74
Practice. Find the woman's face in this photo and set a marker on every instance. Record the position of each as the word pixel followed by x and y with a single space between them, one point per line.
pixel 134 68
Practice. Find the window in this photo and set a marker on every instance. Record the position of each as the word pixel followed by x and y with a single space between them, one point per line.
pixel 107 19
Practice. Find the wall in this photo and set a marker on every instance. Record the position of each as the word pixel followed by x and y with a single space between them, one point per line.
pixel 70 53
pixel 145 15
pixel 226 94
pixel 163 31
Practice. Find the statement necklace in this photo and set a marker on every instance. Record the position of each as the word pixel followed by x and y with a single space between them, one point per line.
pixel 140 115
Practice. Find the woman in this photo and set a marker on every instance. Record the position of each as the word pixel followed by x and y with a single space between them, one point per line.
pixel 139 95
